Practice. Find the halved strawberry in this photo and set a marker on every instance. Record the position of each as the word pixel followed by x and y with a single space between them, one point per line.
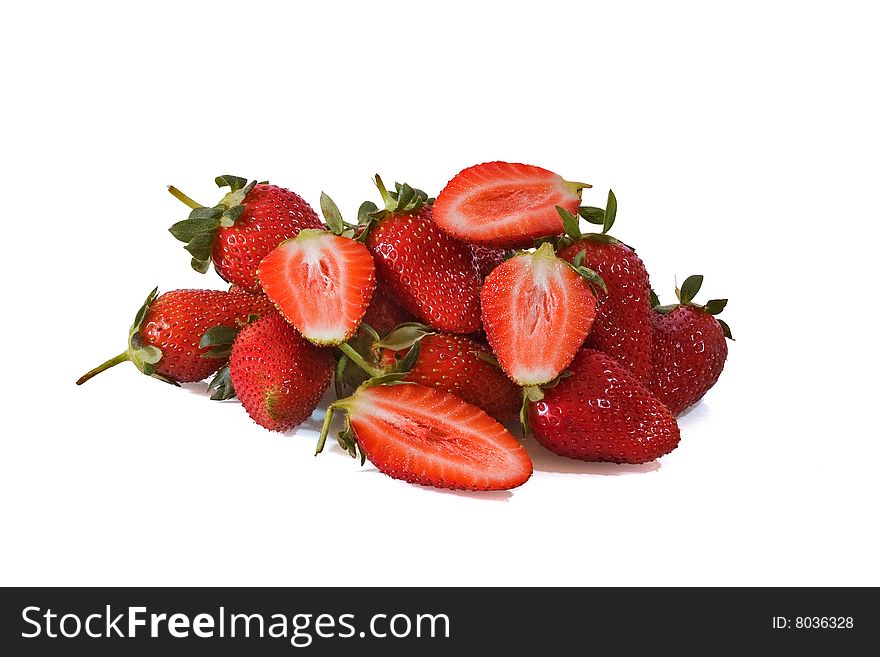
pixel 322 284
pixel 429 437
pixel 504 204
pixel 537 310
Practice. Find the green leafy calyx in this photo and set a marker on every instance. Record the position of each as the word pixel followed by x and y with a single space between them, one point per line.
pixel 685 294
pixel 403 200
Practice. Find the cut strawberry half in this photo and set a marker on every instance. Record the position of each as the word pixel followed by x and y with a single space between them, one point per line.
pixel 430 437
pixel 537 310
pixel 504 204
pixel 321 283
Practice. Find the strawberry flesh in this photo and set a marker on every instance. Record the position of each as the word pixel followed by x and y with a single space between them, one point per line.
pixel 321 283
pixel 504 204
pixel 536 313
pixel 433 438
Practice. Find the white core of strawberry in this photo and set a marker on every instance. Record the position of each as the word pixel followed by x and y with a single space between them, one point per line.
pixel 325 280
pixel 538 286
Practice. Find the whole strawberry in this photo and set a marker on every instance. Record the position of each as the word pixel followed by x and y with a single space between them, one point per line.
pixel 237 233
pixel 163 341
pixel 278 375
pixel 689 348
pixel 602 413
pixel 460 365
pixel 429 273
pixel 622 328
pixel 383 314
pixel 260 303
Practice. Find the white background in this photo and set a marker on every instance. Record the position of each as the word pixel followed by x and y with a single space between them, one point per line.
pixel 742 144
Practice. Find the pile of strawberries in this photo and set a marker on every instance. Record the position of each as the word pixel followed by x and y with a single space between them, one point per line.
pixel 438 324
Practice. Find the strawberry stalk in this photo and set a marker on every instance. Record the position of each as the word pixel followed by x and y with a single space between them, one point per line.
pixel 144 356
pixel 325 429
pixel 183 198
pixel 358 360
pixel 121 358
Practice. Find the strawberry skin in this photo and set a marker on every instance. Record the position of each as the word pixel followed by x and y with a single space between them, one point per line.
pixel 689 350
pixel 383 314
pixel 430 437
pixel 537 312
pixel 271 215
pixel 241 230
pixel 321 283
pixel 486 258
pixel 450 363
pixel 504 204
pixel 279 376
pixel 602 413
pixel 260 303
pixel 164 340
pixel 429 273
pixel 622 328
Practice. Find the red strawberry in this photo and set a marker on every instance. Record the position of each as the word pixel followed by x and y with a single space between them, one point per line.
pixel 537 310
pixel 486 258
pixel 689 348
pixel 504 204
pixel 278 376
pixel 261 304
pixel 383 314
pixel 430 437
pixel 452 363
pixel 429 273
pixel 622 328
pixel 237 233
pixel 602 413
pixel 163 341
pixel 321 283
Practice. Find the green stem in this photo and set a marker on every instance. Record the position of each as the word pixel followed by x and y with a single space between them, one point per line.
pixel 325 429
pixel 358 360
pixel 121 358
pixel 183 198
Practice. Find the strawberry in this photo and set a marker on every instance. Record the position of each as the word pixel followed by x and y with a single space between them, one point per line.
pixel 537 310
pixel 602 413
pixel 486 258
pixel 237 233
pixel 321 283
pixel 622 328
pixel 164 340
pixel 504 204
pixel 383 314
pixel 458 364
pixel 278 376
pixel 689 347
pixel 260 303
pixel 429 273
pixel 429 437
